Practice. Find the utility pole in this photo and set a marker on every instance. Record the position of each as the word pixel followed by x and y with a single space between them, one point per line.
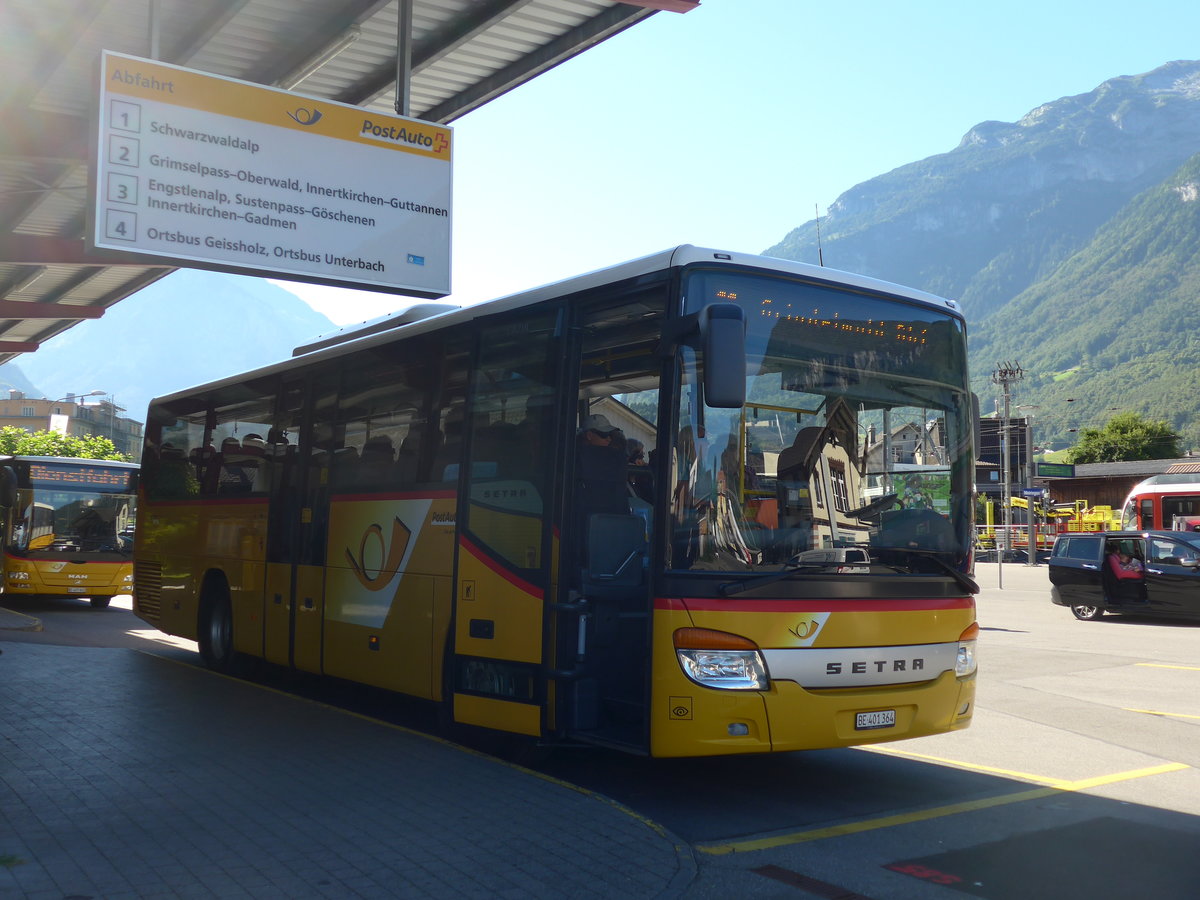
pixel 1006 375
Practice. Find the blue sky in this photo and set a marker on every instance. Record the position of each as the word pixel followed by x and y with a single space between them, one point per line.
pixel 728 125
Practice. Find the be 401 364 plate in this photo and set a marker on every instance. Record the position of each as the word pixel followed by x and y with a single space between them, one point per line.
pixel 880 718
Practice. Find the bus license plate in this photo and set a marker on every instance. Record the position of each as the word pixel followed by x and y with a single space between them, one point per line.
pixel 77 590
pixel 883 718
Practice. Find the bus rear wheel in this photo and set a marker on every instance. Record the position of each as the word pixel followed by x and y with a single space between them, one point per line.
pixel 100 602
pixel 216 631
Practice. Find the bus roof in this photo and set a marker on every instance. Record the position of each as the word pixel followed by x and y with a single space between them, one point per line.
pixel 1166 483
pixel 434 316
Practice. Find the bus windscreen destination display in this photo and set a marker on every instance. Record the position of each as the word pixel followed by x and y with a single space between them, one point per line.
pixel 88 478
pixel 220 172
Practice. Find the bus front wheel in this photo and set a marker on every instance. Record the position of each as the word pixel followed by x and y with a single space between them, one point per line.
pixel 216 631
pixel 100 602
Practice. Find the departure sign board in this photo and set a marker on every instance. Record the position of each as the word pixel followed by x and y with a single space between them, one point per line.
pixel 231 175
pixel 81 477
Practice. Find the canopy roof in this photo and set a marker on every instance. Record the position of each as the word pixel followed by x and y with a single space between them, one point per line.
pixel 461 53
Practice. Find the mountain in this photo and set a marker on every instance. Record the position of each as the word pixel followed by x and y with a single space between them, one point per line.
pixel 190 327
pixel 13 379
pixel 1070 238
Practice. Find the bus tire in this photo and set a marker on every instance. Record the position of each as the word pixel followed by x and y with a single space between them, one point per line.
pixel 100 602
pixel 215 632
pixel 1086 613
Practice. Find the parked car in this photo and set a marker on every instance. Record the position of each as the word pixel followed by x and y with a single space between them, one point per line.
pixel 1083 579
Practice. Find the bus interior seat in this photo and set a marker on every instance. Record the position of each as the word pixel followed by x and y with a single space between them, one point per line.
pixel 345 465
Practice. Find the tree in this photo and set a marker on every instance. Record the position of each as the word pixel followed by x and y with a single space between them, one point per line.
pixel 1126 436
pixel 19 442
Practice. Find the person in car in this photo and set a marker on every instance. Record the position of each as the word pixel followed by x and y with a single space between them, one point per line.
pixel 1124 565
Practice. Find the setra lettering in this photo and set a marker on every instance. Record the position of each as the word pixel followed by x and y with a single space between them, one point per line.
pixel 859 667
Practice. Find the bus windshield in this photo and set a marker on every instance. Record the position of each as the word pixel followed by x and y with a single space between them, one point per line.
pixel 853 451
pixel 69 508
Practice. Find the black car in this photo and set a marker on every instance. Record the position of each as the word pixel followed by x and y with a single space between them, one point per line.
pixel 1084 580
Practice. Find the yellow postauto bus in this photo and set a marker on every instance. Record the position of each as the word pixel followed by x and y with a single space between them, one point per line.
pixel 67 526
pixel 699 503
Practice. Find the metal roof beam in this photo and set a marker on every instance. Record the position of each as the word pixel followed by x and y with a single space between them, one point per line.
pixel 433 47
pixel 594 31
pixel 28 249
pixel 222 15
pixel 44 137
pixel 17 347
pixel 436 45
pixel 16 309
pixel 318 39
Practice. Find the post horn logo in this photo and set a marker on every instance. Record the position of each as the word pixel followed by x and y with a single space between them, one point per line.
pixel 304 116
pixel 806 629
pixel 390 551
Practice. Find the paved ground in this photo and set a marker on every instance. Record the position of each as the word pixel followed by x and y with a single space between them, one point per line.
pixel 111 787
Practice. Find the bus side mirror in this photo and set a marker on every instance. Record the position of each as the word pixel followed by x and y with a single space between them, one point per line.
pixel 723 336
pixel 8 487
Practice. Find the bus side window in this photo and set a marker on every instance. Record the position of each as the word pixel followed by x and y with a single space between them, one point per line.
pixel 506 431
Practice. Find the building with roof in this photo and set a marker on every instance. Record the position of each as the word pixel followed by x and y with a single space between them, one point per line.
pixel 1108 484
pixel 73 416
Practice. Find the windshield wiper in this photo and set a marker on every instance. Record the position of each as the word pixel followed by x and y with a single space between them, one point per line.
pixel 966 582
pixel 789 568
pixel 792 566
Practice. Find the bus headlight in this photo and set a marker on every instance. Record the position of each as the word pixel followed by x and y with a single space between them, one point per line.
pixel 717 659
pixel 964 663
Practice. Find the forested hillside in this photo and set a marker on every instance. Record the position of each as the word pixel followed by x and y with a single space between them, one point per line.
pixel 1117 324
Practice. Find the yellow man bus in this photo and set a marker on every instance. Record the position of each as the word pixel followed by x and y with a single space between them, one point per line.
pixel 67 526
pixel 440 503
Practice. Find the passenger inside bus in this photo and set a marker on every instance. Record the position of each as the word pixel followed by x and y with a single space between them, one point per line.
pixel 375 465
pixel 600 467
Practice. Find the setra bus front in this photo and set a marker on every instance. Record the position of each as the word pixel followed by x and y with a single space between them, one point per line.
pixel 814 590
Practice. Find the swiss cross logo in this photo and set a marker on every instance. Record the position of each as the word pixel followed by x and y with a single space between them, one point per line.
pixel 440 144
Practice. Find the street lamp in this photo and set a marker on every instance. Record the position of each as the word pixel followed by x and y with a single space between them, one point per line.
pixel 71 398
pixel 74 397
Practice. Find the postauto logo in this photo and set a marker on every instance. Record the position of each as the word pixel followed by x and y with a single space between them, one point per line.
pixel 404 134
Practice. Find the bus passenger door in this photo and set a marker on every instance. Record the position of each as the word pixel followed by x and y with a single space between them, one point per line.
pixel 613 489
pixel 495 668
pixel 294 601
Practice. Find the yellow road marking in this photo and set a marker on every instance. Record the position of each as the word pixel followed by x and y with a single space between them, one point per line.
pixel 972 767
pixel 1159 712
pixel 1166 666
pixel 937 812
